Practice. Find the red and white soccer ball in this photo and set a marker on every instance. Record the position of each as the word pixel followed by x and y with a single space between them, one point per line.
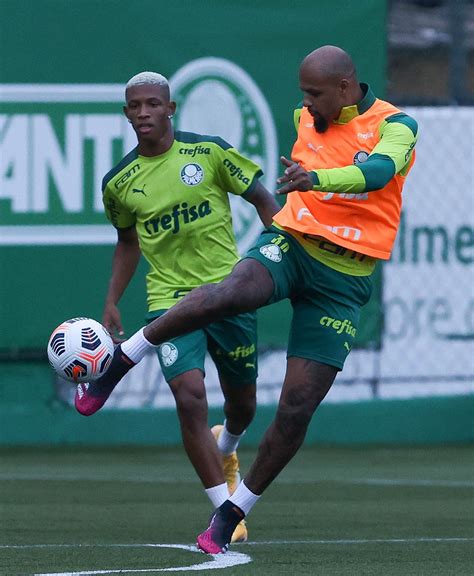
pixel 80 350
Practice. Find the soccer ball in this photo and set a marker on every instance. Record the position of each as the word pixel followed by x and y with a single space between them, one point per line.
pixel 80 350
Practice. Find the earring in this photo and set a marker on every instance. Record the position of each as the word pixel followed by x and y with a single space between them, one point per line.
pixel 170 116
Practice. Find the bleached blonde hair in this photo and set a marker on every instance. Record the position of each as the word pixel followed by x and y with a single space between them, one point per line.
pixel 147 78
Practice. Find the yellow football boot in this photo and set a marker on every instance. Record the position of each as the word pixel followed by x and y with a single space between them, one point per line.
pixel 232 477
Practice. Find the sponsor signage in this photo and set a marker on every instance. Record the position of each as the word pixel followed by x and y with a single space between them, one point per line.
pixel 58 141
pixel 428 283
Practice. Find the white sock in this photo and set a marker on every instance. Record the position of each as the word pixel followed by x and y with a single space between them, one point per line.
pixel 227 442
pixel 218 494
pixel 136 346
pixel 244 498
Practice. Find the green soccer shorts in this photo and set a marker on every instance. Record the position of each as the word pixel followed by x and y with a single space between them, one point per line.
pixel 231 343
pixel 326 303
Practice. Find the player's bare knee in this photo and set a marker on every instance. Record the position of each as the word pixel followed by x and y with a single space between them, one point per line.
pixel 243 290
pixel 292 421
pixel 190 400
pixel 216 300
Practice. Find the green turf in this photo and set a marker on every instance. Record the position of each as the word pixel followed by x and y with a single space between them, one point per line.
pixel 334 511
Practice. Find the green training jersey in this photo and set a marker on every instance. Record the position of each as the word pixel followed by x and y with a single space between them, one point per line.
pixel 179 204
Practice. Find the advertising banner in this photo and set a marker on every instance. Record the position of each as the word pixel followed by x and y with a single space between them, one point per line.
pixel 232 73
pixel 429 282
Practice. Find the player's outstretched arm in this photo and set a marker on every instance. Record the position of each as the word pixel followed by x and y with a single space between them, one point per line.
pixel 264 202
pixel 124 263
pixel 392 155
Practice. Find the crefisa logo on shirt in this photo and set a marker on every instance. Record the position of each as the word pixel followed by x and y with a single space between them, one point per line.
pixel 216 96
pixel 360 157
pixel 191 174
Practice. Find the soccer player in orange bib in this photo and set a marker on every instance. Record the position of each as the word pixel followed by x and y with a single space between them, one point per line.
pixel 344 184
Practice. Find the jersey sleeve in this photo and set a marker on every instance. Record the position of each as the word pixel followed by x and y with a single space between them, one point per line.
pixel 392 155
pixel 115 211
pixel 237 173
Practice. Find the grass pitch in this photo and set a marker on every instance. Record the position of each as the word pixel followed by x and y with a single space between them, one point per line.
pixel 333 511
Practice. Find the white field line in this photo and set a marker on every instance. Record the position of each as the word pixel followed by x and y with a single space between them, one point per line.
pixel 421 540
pixel 220 561
pixel 409 482
pixel 192 548
pixel 73 477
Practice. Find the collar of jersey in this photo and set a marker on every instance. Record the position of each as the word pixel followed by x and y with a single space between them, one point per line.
pixel 151 158
pixel 350 112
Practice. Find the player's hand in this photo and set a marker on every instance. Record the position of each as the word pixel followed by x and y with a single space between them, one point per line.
pixel 294 178
pixel 112 320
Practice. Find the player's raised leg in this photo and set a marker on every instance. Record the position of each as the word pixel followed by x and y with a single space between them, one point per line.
pixel 91 396
pixel 248 287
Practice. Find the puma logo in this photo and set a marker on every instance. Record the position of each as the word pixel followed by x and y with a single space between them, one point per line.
pixel 314 148
pixel 139 190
